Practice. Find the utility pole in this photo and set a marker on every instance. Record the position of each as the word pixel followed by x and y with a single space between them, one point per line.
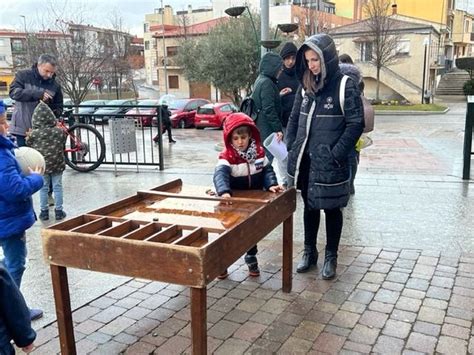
pixel 164 46
pixel 264 10
pixel 27 41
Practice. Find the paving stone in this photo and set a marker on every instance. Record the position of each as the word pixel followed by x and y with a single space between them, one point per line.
pixel 388 345
pixel 88 327
pixel 403 316
pixel 409 254
pixel 154 301
pixel 264 346
pixel 361 296
pixel 264 318
pixel 250 331
pixel 108 314
pixel 388 255
pixel 387 296
pixel 85 313
pixel 449 345
pixel 364 335
pixel 351 277
pixel 329 343
pixel 238 316
pixel 125 338
pixel 295 346
pixel 240 294
pixel 345 319
pixel 427 328
pixel 462 302
pixel 161 314
pixel 170 327
pixel 381 307
pixel 154 339
pixel 428 260
pixel 44 335
pixel 393 286
pixel 404 264
pixel 431 315
pixel 421 342
pixel 112 347
pixel 344 332
pixel 471 346
pixel 343 286
pixel 174 345
pixel 373 319
pixel 455 331
pixel 464 282
pixel 460 313
pixel 103 302
pixel 290 318
pixel 417 284
pixel 300 306
pixel 413 294
pixel 422 269
pixel 335 296
pixel 326 307
pixel 462 291
pixel 99 337
pixel 366 258
pixel 461 322
pixel 380 267
pixel 357 348
pixel 153 287
pixel 318 316
pixel 353 307
pixel 117 326
pixel 223 329
pixel 142 327
pixel 439 293
pixel 275 306
pixel 368 287
pixel 128 302
pixel 396 329
pixel 408 304
pixel 374 277
pixel 279 332
pixel 371 250
pixel 308 330
pixel 225 304
pixel 435 303
pixel 261 293
pixel 251 304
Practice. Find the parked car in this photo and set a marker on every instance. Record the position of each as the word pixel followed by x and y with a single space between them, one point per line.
pixel 213 115
pixel 184 110
pixel 10 104
pixel 105 113
pixel 144 120
pixel 95 105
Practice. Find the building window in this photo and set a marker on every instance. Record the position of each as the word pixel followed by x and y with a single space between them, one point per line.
pixel 147 45
pixel 145 27
pixel 17 45
pixel 171 51
pixel 173 81
pixel 2 42
pixel 366 51
pixel 403 47
pixel 3 58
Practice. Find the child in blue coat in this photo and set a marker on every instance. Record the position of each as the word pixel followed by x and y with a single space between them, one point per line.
pixel 16 206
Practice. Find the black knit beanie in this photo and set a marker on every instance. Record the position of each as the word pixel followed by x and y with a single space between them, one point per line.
pixel 288 49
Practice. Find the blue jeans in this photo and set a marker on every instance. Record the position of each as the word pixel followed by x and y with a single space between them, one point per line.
pixel 14 251
pixel 57 182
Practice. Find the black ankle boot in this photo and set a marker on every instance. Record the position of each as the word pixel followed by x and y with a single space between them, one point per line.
pixel 330 264
pixel 310 258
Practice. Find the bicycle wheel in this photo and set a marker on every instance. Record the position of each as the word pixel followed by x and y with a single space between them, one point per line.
pixel 84 149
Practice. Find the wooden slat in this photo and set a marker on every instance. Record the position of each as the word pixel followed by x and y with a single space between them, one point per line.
pixel 63 309
pixel 167 235
pixel 204 198
pixel 287 254
pixel 93 226
pixel 120 230
pixel 199 320
pixel 144 232
pixel 197 237
pixel 153 261
pixel 169 185
pixel 106 210
pixel 73 222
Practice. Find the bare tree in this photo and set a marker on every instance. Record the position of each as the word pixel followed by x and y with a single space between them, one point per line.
pixel 385 39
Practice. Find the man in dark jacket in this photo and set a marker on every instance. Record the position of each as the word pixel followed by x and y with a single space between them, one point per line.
pixel 15 321
pixel 29 87
pixel 267 98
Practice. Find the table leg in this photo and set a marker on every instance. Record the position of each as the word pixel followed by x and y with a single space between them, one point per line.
pixel 199 320
pixel 63 309
pixel 287 253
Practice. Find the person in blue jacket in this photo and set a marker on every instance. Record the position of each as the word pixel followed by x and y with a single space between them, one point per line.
pixel 16 206
pixel 15 323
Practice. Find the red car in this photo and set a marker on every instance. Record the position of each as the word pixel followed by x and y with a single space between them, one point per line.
pixel 145 121
pixel 213 115
pixel 184 110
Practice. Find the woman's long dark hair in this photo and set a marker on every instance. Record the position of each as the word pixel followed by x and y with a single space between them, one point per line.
pixel 309 79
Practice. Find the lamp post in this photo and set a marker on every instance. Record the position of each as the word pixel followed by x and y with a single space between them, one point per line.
pixel 114 60
pixel 27 39
pixel 164 46
pixel 286 28
pixel 425 44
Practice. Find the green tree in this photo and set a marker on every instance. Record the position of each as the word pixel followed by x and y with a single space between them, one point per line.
pixel 227 57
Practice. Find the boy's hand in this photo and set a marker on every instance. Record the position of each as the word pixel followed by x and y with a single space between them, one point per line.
pixel 226 195
pixel 36 170
pixel 28 133
pixel 285 91
pixel 29 348
pixel 276 188
pixel 279 136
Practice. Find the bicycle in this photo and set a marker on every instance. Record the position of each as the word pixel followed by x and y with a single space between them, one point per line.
pixel 84 149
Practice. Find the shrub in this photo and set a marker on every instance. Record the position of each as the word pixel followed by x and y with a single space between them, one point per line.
pixel 468 87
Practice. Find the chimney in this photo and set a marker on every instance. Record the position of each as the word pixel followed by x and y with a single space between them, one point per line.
pixel 394 9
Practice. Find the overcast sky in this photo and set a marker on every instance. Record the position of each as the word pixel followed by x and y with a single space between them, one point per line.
pixel 95 12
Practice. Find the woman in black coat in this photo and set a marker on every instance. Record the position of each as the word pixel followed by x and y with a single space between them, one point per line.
pixel 323 128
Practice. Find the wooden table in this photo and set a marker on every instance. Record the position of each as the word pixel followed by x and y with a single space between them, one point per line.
pixel 172 233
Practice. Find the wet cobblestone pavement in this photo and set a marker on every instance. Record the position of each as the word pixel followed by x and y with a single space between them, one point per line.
pixel 404 277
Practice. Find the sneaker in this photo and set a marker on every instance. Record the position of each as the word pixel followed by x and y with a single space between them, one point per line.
pixel 223 275
pixel 156 139
pixel 59 214
pixel 252 263
pixel 35 313
pixel 51 201
pixel 172 141
pixel 44 215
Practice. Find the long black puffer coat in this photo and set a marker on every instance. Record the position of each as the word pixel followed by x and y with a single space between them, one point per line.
pixel 323 135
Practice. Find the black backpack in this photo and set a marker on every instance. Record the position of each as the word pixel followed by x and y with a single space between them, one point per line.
pixel 249 107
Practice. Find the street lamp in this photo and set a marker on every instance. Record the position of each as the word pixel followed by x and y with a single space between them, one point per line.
pixel 164 46
pixel 114 60
pixel 236 11
pixel 285 28
pixel 425 44
pixel 27 39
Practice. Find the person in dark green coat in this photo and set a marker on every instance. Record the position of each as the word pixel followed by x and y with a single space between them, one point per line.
pixel 266 96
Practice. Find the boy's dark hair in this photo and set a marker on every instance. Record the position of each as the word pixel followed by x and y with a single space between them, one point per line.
pixel 242 130
pixel 345 58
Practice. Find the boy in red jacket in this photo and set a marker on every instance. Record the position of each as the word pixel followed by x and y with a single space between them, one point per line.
pixel 243 166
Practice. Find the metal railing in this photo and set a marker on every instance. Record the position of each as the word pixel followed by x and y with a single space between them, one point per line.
pixel 149 152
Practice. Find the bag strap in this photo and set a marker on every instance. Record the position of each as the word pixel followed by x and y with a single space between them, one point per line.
pixel 342 92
